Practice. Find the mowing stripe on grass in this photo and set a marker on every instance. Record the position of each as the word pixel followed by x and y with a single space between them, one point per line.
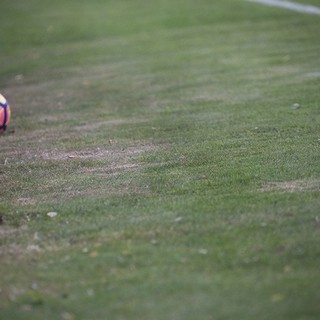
pixel 290 5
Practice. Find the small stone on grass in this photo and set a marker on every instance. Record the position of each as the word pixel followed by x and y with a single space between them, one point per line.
pixel 52 214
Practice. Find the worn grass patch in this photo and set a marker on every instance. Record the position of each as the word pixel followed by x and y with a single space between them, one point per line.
pixel 292 186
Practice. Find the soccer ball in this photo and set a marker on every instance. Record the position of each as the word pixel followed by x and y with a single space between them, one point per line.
pixel 4 114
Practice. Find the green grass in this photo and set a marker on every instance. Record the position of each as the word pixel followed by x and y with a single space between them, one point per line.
pixel 165 136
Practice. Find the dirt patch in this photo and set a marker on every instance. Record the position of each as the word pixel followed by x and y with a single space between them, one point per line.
pixel 106 171
pixel 97 153
pixel 97 172
pixel 292 186
pixel 103 153
pixel 108 123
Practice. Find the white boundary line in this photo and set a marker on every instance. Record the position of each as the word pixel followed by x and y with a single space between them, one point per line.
pixel 290 5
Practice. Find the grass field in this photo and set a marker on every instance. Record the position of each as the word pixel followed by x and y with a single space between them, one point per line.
pixel 178 142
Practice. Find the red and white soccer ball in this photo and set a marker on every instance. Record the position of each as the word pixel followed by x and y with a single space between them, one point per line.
pixel 4 114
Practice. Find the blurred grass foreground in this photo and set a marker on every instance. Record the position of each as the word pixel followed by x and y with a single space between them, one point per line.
pixel 162 160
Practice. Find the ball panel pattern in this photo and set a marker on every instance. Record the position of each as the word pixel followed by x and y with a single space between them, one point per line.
pixel 4 114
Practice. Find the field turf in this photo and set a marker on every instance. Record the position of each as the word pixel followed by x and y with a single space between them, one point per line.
pixel 178 143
